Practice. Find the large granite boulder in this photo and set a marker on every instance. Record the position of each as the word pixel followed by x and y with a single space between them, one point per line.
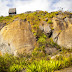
pixel 17 38
pixel 62 33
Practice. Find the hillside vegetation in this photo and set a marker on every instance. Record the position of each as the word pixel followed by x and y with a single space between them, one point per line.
pixel 47 55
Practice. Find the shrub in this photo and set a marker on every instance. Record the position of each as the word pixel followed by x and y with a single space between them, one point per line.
pixel 51 43
pixel 10 63
pixel 16 68
pixel 49 22
pixel 41 40
pixel 48 66
pixel 3 66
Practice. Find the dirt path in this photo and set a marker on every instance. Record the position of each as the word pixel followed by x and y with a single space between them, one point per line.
pixel 65 70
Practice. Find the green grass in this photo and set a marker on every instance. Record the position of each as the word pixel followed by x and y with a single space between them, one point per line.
pixel 49 66
pixel 10 63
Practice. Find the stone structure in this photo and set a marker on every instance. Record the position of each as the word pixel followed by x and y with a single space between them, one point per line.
pixel 12 11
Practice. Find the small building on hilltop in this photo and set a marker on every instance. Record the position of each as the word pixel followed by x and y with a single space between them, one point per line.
pixel 12 11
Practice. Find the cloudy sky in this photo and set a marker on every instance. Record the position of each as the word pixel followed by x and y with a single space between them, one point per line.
pixel 32 5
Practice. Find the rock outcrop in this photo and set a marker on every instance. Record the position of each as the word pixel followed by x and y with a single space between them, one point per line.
pixel 46 28
pixel 62 33
pixel 62 30
pixel 17 38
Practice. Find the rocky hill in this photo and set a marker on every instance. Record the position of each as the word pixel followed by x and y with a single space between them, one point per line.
pixel 35 30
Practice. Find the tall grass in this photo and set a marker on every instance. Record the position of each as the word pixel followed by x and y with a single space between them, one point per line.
pixel 10 63
pixel 49 66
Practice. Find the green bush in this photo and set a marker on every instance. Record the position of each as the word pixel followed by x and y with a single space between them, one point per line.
pixel 48 66
pixel 51 43
pixel 3 66
pixel 8 63
pixel 49 22
pixel 16 68
pixel 41 40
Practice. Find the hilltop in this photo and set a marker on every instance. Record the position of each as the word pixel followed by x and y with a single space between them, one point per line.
pixel 39 27
pixel 36 36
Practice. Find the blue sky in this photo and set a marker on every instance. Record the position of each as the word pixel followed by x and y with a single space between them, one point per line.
pixel 32 5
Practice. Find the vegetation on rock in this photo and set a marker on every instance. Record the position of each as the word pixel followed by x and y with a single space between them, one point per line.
pixel 39 60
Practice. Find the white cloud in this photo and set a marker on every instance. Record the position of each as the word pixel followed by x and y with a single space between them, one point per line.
pixel 32 5
pixel 65 4
pixel 3 9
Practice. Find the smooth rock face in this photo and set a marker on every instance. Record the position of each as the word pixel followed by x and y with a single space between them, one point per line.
pixel 62 33
pixel 17 38
pixel 65 38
